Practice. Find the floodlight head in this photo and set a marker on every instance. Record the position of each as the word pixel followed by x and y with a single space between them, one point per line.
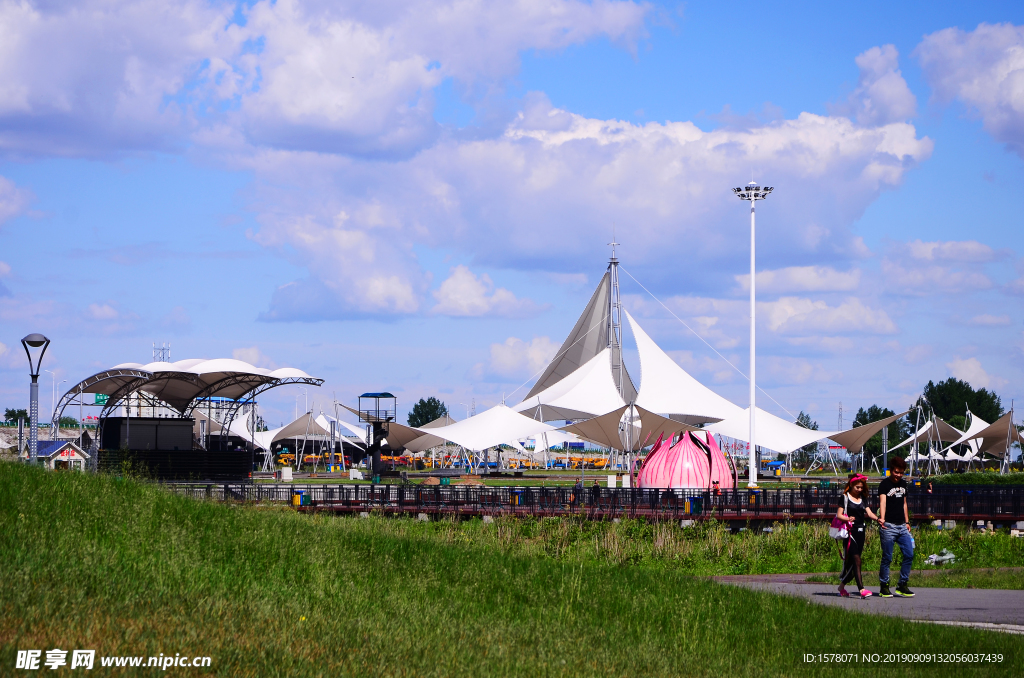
pixel 753 191
pixel 35 343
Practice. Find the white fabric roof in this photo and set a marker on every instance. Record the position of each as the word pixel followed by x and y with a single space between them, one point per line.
pixel 608 429
pixel 178 383
pixel 666 388
pixel 772 432
pixel 300 428
pixel 491 427
pixel 324 420
pixel 554 439
pixel 977 426
pixel 586 392
pixel 999 435
pixel 943 433
pixel 854 439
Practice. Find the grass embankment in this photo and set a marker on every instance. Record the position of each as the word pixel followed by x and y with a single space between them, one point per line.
pixel 124 568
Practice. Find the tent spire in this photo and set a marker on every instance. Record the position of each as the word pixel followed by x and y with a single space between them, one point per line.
pixel 615 319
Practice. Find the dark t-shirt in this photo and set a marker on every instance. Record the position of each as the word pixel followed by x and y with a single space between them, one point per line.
pixel 895 497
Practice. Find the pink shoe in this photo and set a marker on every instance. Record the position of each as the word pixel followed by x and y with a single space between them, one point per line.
pixel 865 594
pixel 843 593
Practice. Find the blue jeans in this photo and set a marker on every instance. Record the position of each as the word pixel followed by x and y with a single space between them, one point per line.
pixel 896 534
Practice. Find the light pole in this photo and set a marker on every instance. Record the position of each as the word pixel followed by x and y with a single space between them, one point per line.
pixel 34 343
pixel 53 398
pixel 753 193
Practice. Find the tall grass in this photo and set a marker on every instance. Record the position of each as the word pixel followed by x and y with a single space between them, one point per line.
pixel 124 568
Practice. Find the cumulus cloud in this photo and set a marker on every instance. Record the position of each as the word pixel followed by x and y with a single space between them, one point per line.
pixel 984 70
pixel 989 320
pixel 796 315
pixel 788 370
pixel 518 359
pixel 906 277
pixel 96 77
pixel 464 294
pixel 102 312
pixel 971 371
pixel 882 95
pixel 803 279
pixel 253 356
pixel 13 200
pixel 961 251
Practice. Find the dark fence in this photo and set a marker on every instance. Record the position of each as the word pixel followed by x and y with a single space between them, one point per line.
pixel 184 465
pixel 1001 504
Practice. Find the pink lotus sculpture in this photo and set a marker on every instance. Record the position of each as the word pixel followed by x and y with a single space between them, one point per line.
pixel 695 461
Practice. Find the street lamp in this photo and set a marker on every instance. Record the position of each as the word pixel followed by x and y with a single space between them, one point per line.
pixel 53 397
pixel 753 193
pixel 34 344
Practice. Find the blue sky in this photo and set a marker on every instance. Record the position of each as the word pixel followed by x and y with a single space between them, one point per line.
pixel 417 196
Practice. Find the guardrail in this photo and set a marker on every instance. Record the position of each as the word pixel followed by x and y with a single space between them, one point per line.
pixel 1000 504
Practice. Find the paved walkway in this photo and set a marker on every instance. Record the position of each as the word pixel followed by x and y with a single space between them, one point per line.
pixel 1001 610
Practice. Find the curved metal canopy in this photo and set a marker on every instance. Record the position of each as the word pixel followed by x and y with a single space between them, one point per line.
pixel 182 384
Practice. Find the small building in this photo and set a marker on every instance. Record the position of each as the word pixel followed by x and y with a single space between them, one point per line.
pixel 57 454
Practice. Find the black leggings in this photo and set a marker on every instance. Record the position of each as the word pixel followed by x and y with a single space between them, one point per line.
pixel 851 561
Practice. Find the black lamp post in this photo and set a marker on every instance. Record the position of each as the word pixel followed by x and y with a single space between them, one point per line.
pixel 34 344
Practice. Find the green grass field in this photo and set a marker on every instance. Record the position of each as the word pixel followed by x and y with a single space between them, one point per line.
pixel 93 562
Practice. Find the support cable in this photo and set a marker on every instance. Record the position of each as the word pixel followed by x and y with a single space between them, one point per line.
pixel 741 373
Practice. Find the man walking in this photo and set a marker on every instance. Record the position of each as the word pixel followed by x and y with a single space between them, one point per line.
pixel 894 520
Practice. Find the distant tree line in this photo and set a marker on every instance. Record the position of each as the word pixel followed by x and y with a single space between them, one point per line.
pixel 949 400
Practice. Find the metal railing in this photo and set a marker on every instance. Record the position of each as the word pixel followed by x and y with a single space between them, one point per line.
pixel 961 503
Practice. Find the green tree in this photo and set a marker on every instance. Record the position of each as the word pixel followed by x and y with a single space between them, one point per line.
pixel 873 447
pixel 803 456
pixel 68 422
pixel 955 396
pixel 12 415
pixel 426 411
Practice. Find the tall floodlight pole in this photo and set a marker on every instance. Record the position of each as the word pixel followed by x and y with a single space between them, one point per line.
pixel 753 193
pixel 34 344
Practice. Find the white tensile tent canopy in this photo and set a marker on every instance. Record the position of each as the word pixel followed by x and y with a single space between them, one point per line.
pixel 607 430
pixel 586 392
pixel 496 426
pixel 942 432
pixel 977 425
pixel 997 437
pixel 773 432
pixel 666 388
pixel 855 438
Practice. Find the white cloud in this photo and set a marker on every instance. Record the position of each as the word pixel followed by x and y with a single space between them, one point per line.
pixel 971 371
pixel 5 269
pixel 98 77
pixel 983 69
pixel 907 277
pixel 515 358
pixel 13 200
pixel 102 312
pixel 882 95
pixel 803 279
pixel 354 77
pixel 466 295
pixel 990 320
pixel 788 370
pixel 253 356
pixel 963 251
pixel 796 315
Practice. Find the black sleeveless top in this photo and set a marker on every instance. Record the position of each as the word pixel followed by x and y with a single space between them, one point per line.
pixel 855 510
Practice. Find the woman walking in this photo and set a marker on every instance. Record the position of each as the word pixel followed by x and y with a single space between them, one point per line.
pixel 853 511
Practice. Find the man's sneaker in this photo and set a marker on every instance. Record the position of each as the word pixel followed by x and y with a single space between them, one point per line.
pixel 903 591
pixel 884 591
